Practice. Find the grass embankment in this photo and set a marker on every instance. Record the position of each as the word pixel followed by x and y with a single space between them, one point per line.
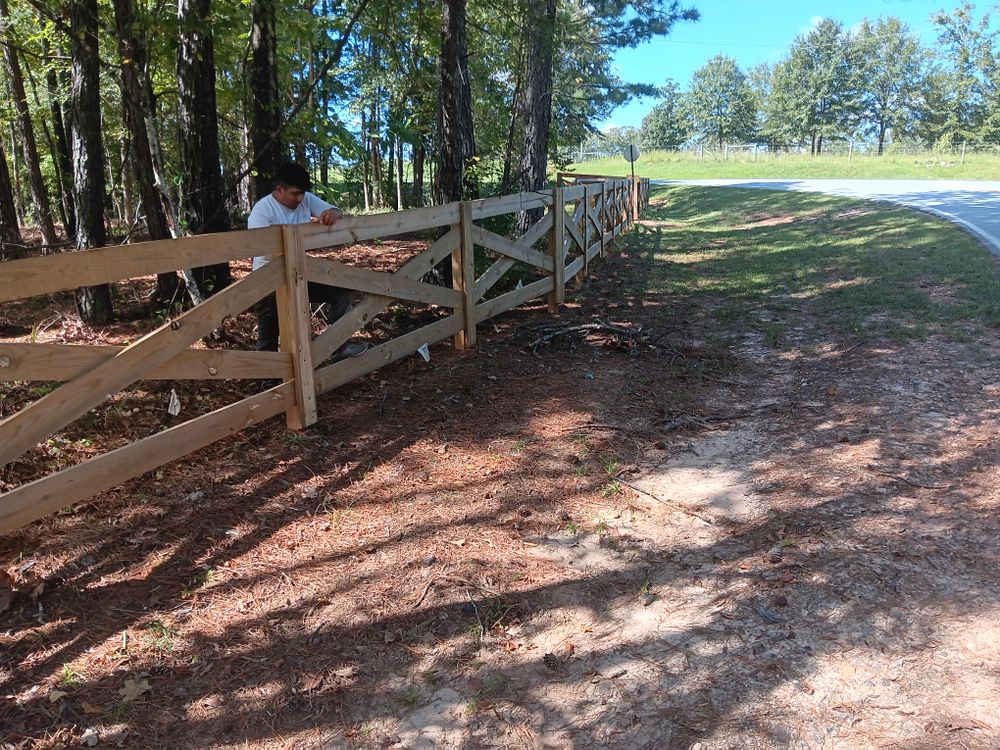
pixel 672 165
pixel 763 260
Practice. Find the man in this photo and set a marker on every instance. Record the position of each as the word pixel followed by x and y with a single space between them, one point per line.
pixel 291 203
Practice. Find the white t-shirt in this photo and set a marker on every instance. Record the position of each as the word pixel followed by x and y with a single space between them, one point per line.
pixel 268 212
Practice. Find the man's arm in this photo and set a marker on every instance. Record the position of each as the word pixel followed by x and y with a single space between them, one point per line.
pixel 325 213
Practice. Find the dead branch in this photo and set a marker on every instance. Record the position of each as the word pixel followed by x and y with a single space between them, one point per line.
pixel 908 481
pixel 668 503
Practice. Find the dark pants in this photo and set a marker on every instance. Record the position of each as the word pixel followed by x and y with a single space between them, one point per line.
pixel 338 299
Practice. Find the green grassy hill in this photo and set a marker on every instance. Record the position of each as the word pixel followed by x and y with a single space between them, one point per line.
pixel 674 165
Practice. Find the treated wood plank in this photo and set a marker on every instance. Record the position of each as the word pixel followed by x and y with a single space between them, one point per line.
pixel 575 267
pixel 594 251
pixel 506 204
pixel 603 218
pixel 491 276
pixel 296 330
pixel 43 496
pixel 324 271
pixel 48 274
pixel 596 177
pixel 594 214
pixel 536 231
pixel 339 373
pixel 497 305
pixel 574 232
pixel 360 228
pixel 557 250
pixel 65 361
pixel 463 274
pixel 589 203
pixel 341 330
pixel 40 419
pixel 573 192
pixel 513 250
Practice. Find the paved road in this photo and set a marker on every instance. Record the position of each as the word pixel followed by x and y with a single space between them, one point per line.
pixel 972 204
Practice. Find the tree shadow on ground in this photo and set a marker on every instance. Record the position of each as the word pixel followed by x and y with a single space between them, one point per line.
pixel 359 569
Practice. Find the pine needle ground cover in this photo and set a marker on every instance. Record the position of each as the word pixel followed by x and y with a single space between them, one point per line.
pixel 741 491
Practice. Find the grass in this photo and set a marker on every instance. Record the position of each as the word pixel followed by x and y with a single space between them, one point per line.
pixel 762 260
pixel 673 165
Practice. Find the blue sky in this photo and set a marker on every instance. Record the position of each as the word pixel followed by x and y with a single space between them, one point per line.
pixel 753 32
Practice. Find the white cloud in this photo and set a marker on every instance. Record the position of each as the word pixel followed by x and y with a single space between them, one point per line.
pixel 813 23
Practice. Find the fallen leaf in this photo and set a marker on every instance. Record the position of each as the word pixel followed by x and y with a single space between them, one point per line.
pixel 56 695
pixel 457 542
pixel 345 672
pixel 311 681
pixel 90 708
pixel 89 738
pixel 134 688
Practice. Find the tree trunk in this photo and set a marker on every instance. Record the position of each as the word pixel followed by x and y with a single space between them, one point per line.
pixel 399 174
pixel 882 127
pixel 63 163
pixel 93 303
pixel 15 182
pixel 390 168
pixel 456 141
pixel 265 110
pixel 377 186
pixel 39 194
pixel 11 244
pixel 132 50
pixel 365 146
pixel 537 108
pixel 203 197
pixel 506 180
pixel 418 173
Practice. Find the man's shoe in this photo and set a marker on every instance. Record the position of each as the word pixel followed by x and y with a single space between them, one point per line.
pixel 349 349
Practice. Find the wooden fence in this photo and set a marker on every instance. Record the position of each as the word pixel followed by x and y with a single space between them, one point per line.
pixel 580 221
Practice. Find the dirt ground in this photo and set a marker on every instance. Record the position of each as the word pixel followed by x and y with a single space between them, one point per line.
pixel 649 537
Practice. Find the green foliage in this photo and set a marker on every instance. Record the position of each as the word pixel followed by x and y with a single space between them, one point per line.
pixel 668 124
pixel 969 80
pixel 721 103
pixel 815 91
pixel 892 65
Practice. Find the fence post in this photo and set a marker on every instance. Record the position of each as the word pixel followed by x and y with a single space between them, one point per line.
pixel 294 326
pixel 586 227
pixel 463 277
pixel 602 213
pixel 557 250
pixel 635 198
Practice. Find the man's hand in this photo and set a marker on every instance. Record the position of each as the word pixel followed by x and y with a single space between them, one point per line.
pixel 331 216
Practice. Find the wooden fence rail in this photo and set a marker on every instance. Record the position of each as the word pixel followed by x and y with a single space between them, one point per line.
pixel 580 221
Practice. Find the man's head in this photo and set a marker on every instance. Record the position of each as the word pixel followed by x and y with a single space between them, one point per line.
pixel 290 184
